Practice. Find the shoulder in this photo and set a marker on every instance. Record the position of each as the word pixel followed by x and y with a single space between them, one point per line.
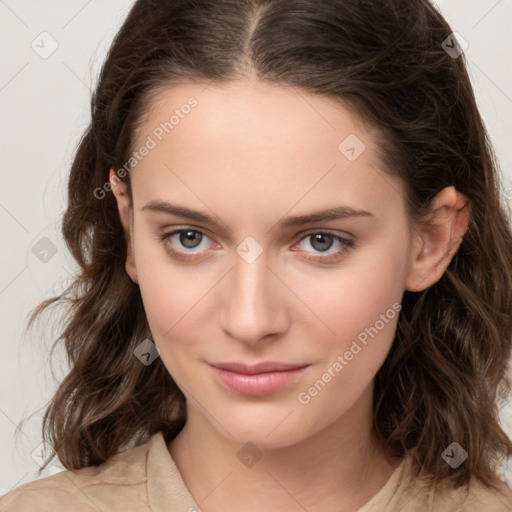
pixel 474 496
pixel 119 479
pixel 407 491
pixel 481 497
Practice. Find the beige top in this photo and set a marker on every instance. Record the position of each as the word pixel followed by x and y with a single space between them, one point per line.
pixel 146 479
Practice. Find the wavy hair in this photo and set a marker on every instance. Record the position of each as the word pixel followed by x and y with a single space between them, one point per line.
pixel 447 368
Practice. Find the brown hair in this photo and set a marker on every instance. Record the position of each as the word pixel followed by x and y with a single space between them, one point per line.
pixel 447 366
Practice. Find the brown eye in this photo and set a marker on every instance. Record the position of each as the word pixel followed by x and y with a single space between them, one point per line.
pixel 178 241
pixel 190 239
pixel 321 241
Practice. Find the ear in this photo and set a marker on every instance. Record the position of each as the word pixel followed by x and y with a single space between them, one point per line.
pixel 437 241
pixel 119 189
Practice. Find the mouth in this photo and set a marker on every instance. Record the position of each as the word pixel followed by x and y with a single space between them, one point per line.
pixel 256 380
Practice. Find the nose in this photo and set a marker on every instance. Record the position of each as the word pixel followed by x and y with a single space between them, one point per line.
pixel 254 302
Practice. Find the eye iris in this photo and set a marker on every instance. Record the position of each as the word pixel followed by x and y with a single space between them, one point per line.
pixel 321 238
pixel 187 238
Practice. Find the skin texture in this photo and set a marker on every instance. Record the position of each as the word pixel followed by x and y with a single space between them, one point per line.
pixel 250 154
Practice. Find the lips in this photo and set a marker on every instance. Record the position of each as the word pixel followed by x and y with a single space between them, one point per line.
pixel 264 367
pixel 256 380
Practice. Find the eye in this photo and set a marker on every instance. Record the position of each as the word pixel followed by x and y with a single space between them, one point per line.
pixel 323 241
pixel 184 243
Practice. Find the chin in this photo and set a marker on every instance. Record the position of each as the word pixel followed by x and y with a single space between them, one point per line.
pixel 265 431
pixel 266 441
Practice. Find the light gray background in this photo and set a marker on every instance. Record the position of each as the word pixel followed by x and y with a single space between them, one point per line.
pixel 44 108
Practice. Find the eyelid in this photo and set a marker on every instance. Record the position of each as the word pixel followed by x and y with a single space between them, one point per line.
pixel 325 231
pixel 183 229
pixel 346 242
pixel 298 237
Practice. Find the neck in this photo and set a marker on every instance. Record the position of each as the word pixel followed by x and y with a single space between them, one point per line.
pixel 322 472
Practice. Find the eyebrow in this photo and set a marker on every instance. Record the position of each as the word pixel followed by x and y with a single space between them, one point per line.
pixel 334 213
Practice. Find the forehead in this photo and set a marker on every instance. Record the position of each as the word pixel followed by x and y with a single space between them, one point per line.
pixel 258 145
pixel 247 108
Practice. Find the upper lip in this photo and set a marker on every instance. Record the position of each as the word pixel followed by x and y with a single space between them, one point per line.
pixel 269 366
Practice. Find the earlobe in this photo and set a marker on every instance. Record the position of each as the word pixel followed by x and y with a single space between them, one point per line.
pixel 119 189
pixel 437 241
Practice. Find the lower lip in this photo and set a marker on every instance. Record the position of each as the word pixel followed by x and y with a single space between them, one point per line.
pixel 257 384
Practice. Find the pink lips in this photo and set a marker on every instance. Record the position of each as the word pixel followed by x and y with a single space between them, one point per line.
pixel 256 380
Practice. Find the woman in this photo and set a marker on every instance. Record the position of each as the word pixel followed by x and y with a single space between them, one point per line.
pixel 296 269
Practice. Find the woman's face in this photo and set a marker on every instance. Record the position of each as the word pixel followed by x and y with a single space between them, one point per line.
pixel 257 272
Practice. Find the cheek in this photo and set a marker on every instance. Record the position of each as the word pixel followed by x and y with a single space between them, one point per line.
pixel 172 297
pixel 362 307
pixel 361 304
pixel 353 298
pixel 170 292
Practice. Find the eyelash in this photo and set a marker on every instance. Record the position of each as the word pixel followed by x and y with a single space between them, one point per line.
pixel 331 257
